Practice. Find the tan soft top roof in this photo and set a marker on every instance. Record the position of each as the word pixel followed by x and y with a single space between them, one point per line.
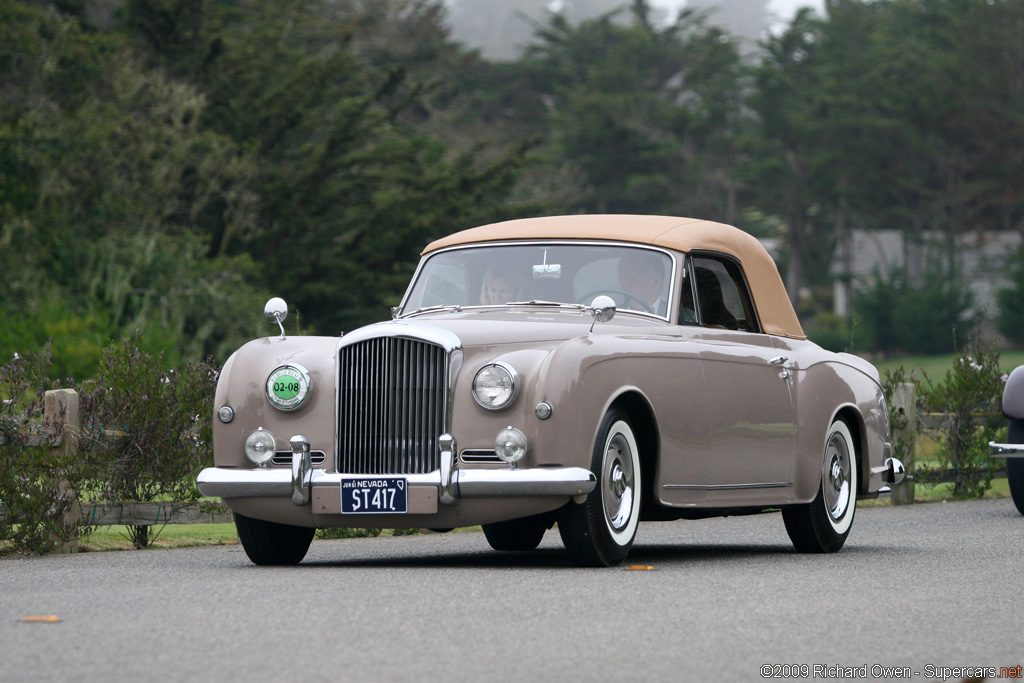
pixel 681 234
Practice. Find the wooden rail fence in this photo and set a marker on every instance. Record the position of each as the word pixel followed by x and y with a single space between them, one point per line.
pixel 61 417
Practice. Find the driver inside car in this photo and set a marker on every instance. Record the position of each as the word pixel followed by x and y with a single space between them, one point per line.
pixel 641 275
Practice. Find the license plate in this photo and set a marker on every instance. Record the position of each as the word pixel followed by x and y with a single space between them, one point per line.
pixel 374 495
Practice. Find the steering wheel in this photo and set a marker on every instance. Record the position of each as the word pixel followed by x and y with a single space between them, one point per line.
pixel 623 294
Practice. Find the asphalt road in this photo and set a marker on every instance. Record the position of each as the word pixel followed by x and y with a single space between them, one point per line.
pixel 930 587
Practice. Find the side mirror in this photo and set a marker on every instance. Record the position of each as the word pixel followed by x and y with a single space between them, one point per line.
pixel 276 311
pixel 603 309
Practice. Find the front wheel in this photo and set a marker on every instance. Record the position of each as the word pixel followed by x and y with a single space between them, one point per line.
pixel 822 525
pixel 600 532
pixel 1015 466
pixel 270 543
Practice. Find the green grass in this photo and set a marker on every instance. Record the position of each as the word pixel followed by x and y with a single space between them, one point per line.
pixel 170 536
pixel 935 366
pixel 177 536
pixel 941 493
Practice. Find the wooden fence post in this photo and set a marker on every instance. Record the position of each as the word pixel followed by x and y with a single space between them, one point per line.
pixel 60 415
pixel 904 440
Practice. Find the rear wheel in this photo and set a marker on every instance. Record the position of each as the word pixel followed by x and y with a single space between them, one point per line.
pixel 270 543
pixel 516 534
pixel 1015 466
pixel 822 525
pixel 600 532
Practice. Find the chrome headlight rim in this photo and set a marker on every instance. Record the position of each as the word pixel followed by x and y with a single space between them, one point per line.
pixel 296 390
pixel 513 390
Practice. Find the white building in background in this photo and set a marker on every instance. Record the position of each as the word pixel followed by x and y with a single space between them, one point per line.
pixel 981 258
pixel 501 28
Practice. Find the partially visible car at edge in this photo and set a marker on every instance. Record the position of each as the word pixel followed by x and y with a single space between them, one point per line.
pixel 589 371
pixel 1013 450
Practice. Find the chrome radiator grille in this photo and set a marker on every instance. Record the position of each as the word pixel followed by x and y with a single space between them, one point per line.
pixel 391 407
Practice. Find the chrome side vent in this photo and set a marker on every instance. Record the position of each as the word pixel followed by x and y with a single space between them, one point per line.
pixel 284 458
pixel 391 406
pixel 475 455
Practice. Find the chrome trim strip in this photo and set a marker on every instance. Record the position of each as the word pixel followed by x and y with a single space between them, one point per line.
pixel 541 481
pixel 223 482
pixel 727 487
pixel 408 329
pixel 1005 450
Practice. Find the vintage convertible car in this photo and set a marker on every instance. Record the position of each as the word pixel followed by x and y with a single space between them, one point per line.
pixel 593 371
pixel 1013 450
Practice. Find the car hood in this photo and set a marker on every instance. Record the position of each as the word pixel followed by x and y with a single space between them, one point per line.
pixel 524 326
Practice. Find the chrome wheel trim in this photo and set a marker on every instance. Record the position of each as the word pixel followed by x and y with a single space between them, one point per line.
pixel 620 481
pixel 839 477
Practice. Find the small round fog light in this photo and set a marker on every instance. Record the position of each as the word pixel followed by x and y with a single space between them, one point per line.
pixel 543 410
pixel 510 445
pixel 226 414
pixel 260 447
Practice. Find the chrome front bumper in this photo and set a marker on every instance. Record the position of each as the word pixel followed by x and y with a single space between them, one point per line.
pixel 450 482
pixel 1005 450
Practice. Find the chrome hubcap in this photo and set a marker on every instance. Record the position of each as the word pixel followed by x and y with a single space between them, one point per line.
pixel 836 482
pixel 618 481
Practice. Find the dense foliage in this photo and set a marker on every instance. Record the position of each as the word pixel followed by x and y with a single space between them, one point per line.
pixel 35 478
pixel 168 165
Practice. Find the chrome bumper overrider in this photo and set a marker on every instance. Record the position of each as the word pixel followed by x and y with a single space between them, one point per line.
pixel 451 482
pixel 894 471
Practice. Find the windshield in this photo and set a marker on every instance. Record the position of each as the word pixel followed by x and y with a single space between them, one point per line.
pixel 637 278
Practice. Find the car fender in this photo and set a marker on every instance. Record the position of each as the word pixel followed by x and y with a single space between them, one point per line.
pixel 1013 395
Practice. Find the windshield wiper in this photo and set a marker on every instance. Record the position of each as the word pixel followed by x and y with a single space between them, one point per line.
pixel 439 307
pixel 541 302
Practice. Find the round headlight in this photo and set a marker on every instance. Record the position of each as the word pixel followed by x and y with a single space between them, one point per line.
pixel 260 447
pixel 495 386
pixel 289 387
pixel 510 445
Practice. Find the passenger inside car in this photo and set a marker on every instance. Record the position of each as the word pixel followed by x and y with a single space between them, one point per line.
pixel 714 312
pixel 641 275
pixel 501 284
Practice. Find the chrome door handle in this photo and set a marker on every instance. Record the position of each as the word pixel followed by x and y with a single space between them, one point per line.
pixel 778 360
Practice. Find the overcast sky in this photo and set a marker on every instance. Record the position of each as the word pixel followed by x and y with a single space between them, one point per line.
pixel 781 10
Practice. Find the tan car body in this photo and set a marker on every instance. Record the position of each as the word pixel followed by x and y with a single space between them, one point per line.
pixel 722 424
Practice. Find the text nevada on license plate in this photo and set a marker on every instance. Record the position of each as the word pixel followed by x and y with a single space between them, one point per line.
pixel 372 495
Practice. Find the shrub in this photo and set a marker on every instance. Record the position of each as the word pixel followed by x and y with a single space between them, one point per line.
pixel 970 396
pixel 149 428
pixel 34 479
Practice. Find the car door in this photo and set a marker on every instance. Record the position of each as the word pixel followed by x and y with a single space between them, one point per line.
pixel 751 411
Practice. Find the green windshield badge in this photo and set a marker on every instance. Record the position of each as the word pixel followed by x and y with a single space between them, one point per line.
pixel 288 387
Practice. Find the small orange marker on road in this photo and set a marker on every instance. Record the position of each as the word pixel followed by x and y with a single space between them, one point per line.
pixel 41 618
pixel 640 567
